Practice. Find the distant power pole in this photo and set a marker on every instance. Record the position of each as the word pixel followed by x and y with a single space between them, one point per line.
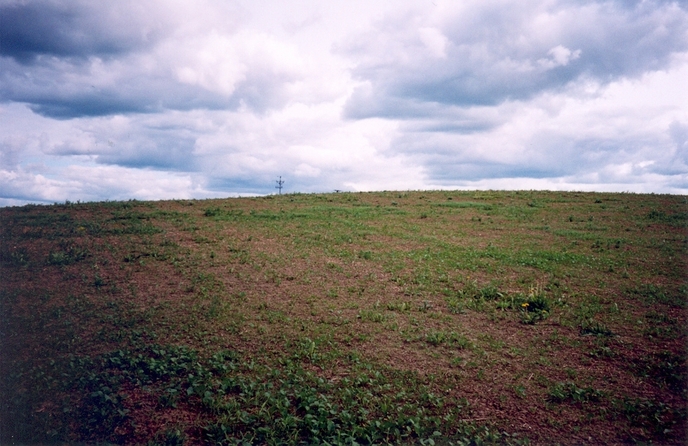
pixel 280 182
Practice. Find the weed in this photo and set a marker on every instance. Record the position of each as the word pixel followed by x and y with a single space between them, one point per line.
pixel 602 351
pixel 68 254
pixel 366 255
pixel 16 257
pixel 371 316
pixel 169 437
pixel 98 281
pixel 569 391
pixel 679 219
pixel 425 306
pixel 212 212
pixel 450 339
pixel 660 326
pixel 594 328
pixel 402 307
pixel 455 305
pixel 535 307
pixel 658 417
pixel 653 294
pixel 666 369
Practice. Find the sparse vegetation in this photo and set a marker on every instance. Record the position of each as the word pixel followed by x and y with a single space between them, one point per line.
pixel 373 318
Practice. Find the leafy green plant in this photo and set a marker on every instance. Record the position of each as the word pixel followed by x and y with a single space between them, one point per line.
pixel 535 307
pixel 366 255
pixel 679 219
pixel 666 369
pixel 594 328
pixel 402 307
pixel 371 316
pixel 68 254
pixel 659 418
pixel 568 391
pixel 473 291
pixel 654 294
pixel 212 212
pixel 455 305
pixel 661 326
pixel 451 339
pixel 16 257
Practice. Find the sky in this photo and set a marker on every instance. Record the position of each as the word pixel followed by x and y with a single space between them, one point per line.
pixel 181 99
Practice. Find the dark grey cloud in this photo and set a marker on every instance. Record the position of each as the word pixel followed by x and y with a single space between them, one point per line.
pixel 490 53
pixel 32 29
pixel 69 59
pixel 68 89
pixel 65 90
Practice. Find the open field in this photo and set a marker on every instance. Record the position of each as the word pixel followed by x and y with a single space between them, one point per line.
pixel 401 317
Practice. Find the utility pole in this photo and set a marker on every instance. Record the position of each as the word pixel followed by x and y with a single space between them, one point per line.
pixel 280 182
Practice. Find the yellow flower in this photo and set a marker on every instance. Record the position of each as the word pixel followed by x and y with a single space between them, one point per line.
pixel 524 305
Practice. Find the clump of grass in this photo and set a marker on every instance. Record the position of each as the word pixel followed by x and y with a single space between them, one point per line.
pixel 472 296
pixel 568 391
pixel 591 327
pixel 654 294
pixel 15 257
pixel 679 219
pixel 402 307
pixel 365 255
pixel 666 369
pixel 371 316
pixel 661 326
pixel 535 307
pixel 657 417
pixel 455 305
pixel 473 291
pixel 68 254
pixel 212 212
pixel 451 339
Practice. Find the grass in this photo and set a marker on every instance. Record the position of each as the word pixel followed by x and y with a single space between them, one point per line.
pixel 434 317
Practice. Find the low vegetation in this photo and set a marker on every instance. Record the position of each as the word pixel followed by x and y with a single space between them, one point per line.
pixel 438 317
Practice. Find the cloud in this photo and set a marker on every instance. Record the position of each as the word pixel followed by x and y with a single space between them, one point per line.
pixel 162 99
pixel 97 183
pixel 494 52
pixel 30 30
pixel 99 59
pixel 560 56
